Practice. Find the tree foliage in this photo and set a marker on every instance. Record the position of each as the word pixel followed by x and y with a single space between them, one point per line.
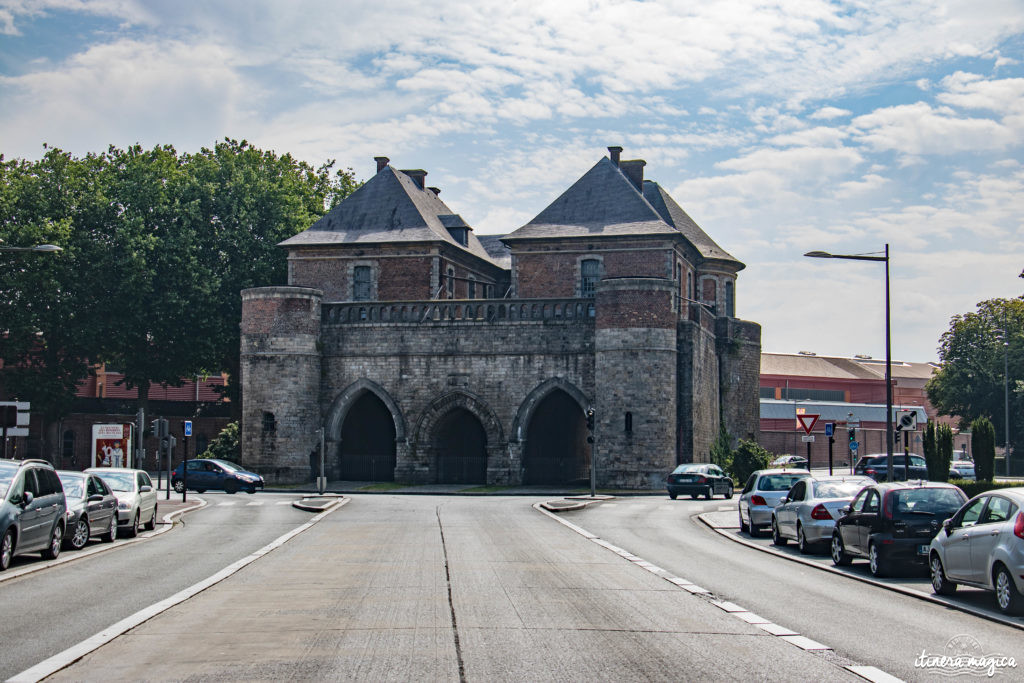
pixel 928 445
pixel 157 246
pixel 943 451
pixel 721 449
pixel 983 446
pixel 748 457
pixel 226 445
pixel 970 380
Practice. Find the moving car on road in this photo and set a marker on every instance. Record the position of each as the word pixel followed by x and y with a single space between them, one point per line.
pixel 982 545
pixel 32 508
pixel 136 497
pixel 876 466
pixel 92 508
pixel 763 491
pixel 892 524
pixel 789 461
pixel 221 475
pixel 808 513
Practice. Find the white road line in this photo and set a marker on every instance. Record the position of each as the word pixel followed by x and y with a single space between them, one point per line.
pixel 69 656
pixel 255 503
pixel 872 674
pixel 225 505
pixel 284 502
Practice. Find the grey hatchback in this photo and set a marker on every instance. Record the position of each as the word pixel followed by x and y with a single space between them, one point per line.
pixel 32 508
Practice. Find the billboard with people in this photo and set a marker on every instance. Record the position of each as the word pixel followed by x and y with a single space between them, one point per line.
pixel 112 445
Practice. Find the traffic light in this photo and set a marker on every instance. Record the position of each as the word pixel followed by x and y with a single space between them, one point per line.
pixel 159 427
pixel 852 433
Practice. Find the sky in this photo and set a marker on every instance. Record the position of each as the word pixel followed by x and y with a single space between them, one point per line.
pixel 781 127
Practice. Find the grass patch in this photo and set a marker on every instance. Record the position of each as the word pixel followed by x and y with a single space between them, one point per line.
pixel 384 486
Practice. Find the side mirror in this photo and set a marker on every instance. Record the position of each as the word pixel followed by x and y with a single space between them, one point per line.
pixel 845 510
pixel 95 498
pixel 947 526
pixel 145 489
pixel 784 500
pixel 27 499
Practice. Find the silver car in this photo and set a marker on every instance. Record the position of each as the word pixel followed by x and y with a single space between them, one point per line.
pixel 809 511
pixel 982 545
pixel 136 497
pixel 92 508
pixel 962 469
pixel 763 491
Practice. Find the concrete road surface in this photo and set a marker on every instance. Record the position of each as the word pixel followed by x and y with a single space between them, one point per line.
pixel 435 588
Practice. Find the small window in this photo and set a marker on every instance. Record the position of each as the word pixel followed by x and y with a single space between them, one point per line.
pixel 590 270
pixel 361 283
pixel 450 282
pixel 472 289
pixel 629 422
pixel 269 423
pixel 730 301
pixel 68 445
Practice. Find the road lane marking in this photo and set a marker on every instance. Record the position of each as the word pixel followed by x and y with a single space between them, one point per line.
pixel 255 503
pixel 226 504
pixel 69 656
pixel 788 635
pixel 872 674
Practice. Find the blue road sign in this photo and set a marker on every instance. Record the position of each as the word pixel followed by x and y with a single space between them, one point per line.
pixel 854 445
pixel 188 427
pixel 829 428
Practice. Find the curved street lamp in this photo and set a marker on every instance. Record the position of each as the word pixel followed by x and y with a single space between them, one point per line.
pixel 37 248
pixel 888 345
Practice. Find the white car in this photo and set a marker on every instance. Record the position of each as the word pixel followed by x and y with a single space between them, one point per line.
pixel 962 469
pixel 763 491
pixel 136 497
pixel 982 545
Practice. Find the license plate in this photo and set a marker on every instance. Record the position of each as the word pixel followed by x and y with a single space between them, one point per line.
pixel 922 549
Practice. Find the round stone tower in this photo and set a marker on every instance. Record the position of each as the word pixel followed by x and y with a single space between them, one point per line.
pixel 635 378
pixel 280 380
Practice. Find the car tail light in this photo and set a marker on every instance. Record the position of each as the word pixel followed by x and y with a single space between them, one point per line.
pixel 870 472
pixel 820 512
pixel 1018 526
pixel 757 500
pixel 702 480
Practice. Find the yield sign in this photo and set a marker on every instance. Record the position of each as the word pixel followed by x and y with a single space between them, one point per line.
pixel 807 421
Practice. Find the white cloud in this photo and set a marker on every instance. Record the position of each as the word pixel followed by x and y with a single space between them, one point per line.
pixel 829 113
pixel 919 128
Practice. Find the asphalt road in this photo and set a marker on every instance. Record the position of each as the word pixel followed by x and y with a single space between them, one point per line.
pixel 863 623
pixel 447 588
pixel 49 610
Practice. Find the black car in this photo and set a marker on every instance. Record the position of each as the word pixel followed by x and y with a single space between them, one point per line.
pixel 876 466
pixel 892 524
pixel 698 479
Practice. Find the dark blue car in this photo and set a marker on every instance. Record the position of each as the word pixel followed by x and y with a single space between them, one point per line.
pixel 215 474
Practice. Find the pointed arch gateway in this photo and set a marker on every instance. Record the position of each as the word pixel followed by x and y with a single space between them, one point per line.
pixel 461 438
pixel 365 425
pixel 552 425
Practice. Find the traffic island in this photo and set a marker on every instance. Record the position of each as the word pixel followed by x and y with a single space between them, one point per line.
pixel 318 503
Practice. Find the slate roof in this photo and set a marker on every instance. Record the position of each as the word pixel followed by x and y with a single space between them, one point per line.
pixel 389 207
pixel 605 202
pixel 833 367
pixel 497 250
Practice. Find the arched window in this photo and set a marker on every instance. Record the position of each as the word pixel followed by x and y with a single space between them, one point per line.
pixel 269 423
pixel 590 272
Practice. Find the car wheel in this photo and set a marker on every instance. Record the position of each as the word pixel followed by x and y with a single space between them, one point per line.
pixel 179 486
pixel 801 541
pixel 940 584
pixel 673 496
pixel 728 492
pixel 1008 598
pixel 743 525
pixel 111 534
pixel 251 490
pixel 6 550
pixel 56 543
pixel 78 538
pixel 709 493
pixel 230 487
pixel 133 530
pixel 878 566
pixel 151 524
pixel 840 558
pixel 777 538
pixel 754 531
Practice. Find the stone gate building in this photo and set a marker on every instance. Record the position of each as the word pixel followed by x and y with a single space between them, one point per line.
pixel 429 355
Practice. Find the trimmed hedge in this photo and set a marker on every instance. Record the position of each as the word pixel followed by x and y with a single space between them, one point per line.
pixel 973 488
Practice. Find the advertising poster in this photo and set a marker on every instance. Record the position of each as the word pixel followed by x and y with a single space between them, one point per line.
pixel 112 445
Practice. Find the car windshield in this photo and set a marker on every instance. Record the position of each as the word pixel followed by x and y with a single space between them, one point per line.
pixel 836 489
pixel 778 482
pixel 119 481
pixel 7 472
pixel 683 469
pixel 73 486
pixel 926 501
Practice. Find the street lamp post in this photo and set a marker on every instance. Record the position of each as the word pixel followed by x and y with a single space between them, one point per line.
pixel 1006 395
pixel 888 344
pixel 36 248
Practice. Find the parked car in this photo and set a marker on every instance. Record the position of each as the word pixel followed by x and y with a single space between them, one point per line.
pixel 32 509
pixel 962 469
pixel 221 475
pixel 92 509
pixel 763 491
pixel 789 461
pixel 876 466
pixel 982 545
pixel 808 513
pixel 136 497
pixel 893 523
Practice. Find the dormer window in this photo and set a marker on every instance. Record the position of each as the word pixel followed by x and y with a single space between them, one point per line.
pixel 460 235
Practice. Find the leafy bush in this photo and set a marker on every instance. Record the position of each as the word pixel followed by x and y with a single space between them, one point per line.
pixel 721 449
pixel 983 445
pixel 748 457
pixel 973 488
pixel 225 446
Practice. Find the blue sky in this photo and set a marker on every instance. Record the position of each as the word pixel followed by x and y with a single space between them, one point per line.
pixel 781 127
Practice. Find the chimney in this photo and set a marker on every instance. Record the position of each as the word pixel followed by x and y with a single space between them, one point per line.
pixel 418 176
pixel 614 153
pixel 435 190
pixel 381 163
pixel 634 170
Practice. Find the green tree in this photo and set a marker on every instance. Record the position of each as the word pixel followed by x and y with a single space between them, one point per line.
pixel 970 380
pixel 943 451
pixel 748 457
pixel 721 449
pixel 930 451
pixel 983 446
pixel 225 446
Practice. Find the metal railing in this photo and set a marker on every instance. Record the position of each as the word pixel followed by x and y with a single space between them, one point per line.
pixel 448 310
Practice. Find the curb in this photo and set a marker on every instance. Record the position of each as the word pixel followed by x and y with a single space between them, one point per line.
pixel 909 592
pixel 319 503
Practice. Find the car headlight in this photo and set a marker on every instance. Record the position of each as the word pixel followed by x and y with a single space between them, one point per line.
pixel 123 505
